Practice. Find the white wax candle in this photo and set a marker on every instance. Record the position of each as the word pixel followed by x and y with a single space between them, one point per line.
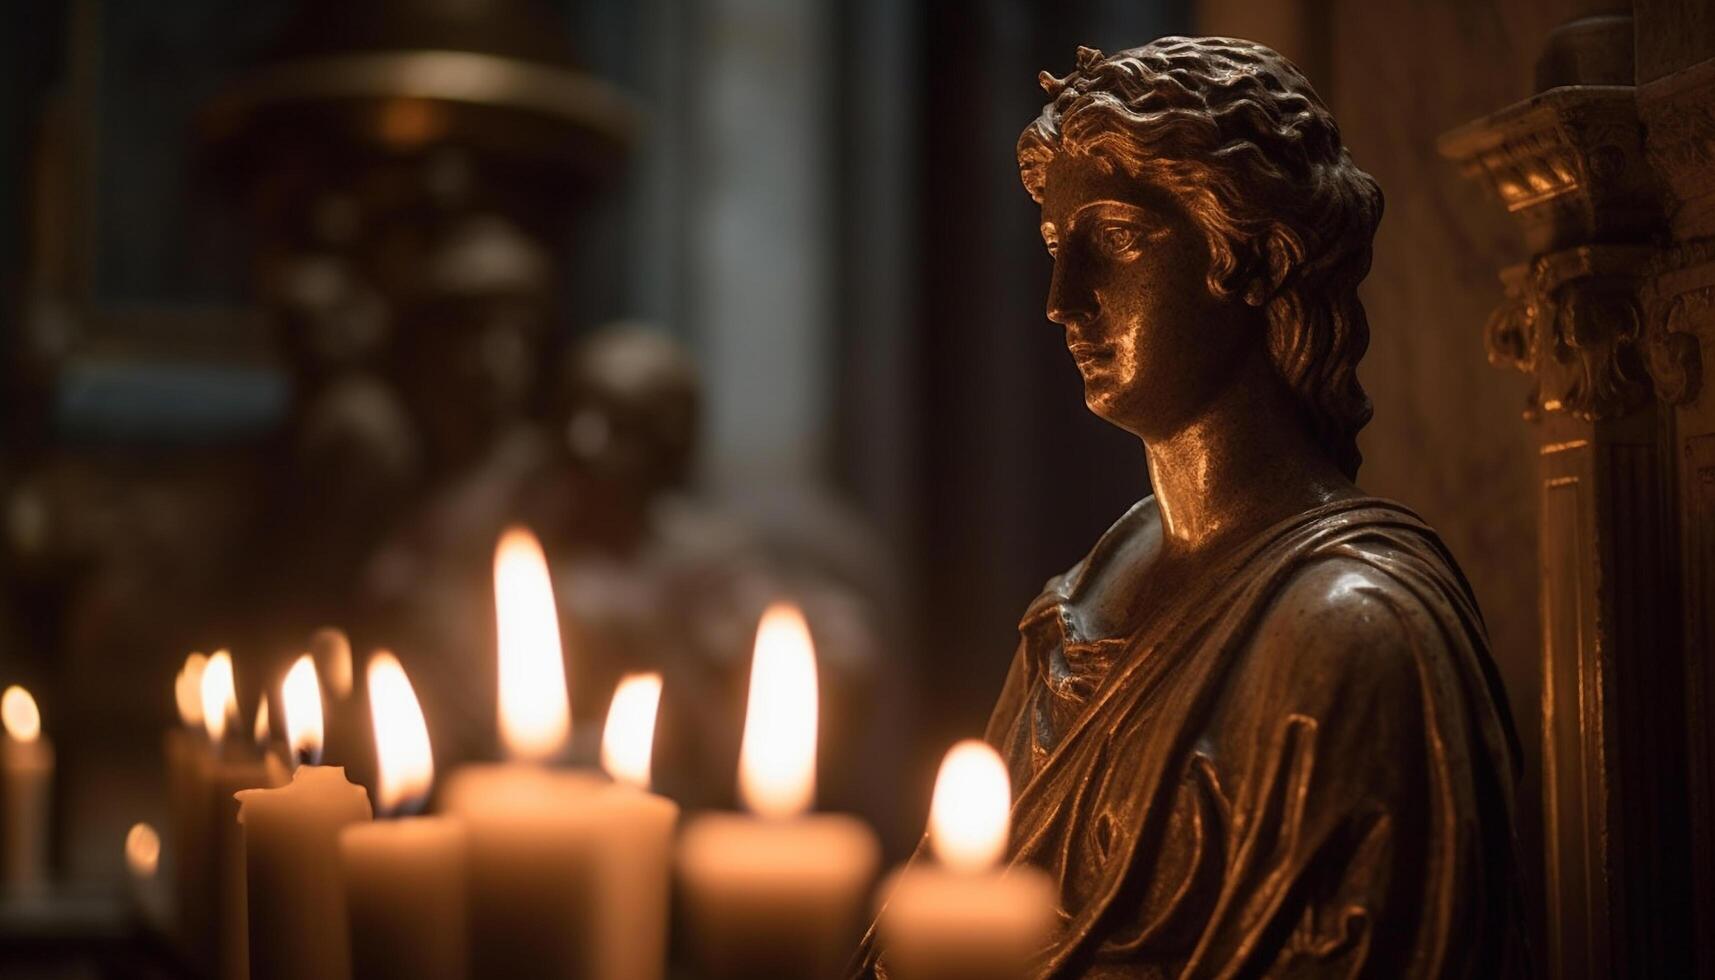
pixel 635 872
pixel 297 912
pixel 633 879
pixel 948 925
pixel 404 878
pixel 533 843
pixel 962 917
pixel 229 764
pixel 228 776
pixel 536 837
pixel 27 768
pixel 404 889
pixel 775 898
pixel 298 926
pixel 780 893
pixel 142 866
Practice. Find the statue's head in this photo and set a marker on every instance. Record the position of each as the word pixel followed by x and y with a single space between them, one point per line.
pixel 1202 211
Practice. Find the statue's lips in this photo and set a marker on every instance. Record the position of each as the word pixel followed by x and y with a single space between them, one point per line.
pixel 1090 354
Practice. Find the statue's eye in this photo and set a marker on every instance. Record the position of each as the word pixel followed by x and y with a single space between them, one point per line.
pixel 1117 241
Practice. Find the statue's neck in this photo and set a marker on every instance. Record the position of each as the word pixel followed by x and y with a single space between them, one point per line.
pixel 1246 462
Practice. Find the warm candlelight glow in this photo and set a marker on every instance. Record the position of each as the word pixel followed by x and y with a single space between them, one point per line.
pixel 301 701
pixel 260 731
pixel 968 817
pixel 19 714
pixel 219 699
pixel 187 690
pixel 142 850
pixel 402 754
pixel 535 717
pixel 332 650
pixel 628 739
pixel 777 759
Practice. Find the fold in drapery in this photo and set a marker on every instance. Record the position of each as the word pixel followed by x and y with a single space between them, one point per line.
pixel 1213 806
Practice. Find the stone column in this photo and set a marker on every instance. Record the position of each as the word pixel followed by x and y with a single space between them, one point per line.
pixel 1676 101
pixel 1603 316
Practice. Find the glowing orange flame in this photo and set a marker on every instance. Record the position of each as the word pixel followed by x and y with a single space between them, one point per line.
pixel 219 698
pixel 969 815
pixel 18 713
pixel 535 716
pixel 777 759
pixel 628 739
pixel 142 850
pixel 301 703
pixel 187 690
pixel 403 756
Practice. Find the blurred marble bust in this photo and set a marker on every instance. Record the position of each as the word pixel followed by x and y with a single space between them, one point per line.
pixel 652 576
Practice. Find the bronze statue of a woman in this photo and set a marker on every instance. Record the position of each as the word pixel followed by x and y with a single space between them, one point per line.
pixel 1256 732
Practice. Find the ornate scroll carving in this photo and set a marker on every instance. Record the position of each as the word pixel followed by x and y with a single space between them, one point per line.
pixel 1573 319
pixel 1591 322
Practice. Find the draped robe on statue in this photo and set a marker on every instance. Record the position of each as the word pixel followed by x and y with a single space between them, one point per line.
pixel 1214 804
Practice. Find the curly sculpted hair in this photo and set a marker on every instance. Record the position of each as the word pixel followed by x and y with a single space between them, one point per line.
pixel 1237 135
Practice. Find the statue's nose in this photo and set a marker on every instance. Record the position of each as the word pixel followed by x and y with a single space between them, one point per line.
pixel 1070 300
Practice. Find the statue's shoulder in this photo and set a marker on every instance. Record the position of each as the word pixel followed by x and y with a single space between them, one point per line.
pixel 1109 566
pixel 1339 616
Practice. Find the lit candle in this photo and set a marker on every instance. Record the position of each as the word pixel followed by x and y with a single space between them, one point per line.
pixel 232 765
pixel 404 878
pixel 27 763
pixel 142 862
pixel 291 847
pixel 964 916
pixel 188 812
pixel 777 893
pixel 631 934
pixel 532 832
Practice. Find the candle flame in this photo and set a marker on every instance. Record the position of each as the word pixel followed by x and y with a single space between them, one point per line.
pixel 777 759
pixel 970 812
pixel 187 690
pixel 629 737
pixel 301 701
pixel 219 698
pixel 18 712
pixel 402 753
pixel 535 718
pixel 332 650
pixel 142 850
pixel 260 731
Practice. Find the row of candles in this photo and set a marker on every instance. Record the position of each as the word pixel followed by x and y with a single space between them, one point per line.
pixel 528 869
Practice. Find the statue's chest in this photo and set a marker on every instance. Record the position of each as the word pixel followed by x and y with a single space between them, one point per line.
pixel 1154 820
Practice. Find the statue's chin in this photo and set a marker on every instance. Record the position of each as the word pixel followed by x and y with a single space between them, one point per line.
pixel 1101 401
pixel 1110 404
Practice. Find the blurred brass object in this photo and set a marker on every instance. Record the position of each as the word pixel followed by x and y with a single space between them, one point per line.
pixel 373 86
pixel 409 169
pixel 1256 731
pixel 497 75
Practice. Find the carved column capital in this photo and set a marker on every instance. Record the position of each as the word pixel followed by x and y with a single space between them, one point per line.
pixel 1573 319
pixel 1587 316
pixel 1567 163
pixel 1678 115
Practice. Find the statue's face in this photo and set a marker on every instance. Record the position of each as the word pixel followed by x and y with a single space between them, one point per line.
pixel 1153 344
